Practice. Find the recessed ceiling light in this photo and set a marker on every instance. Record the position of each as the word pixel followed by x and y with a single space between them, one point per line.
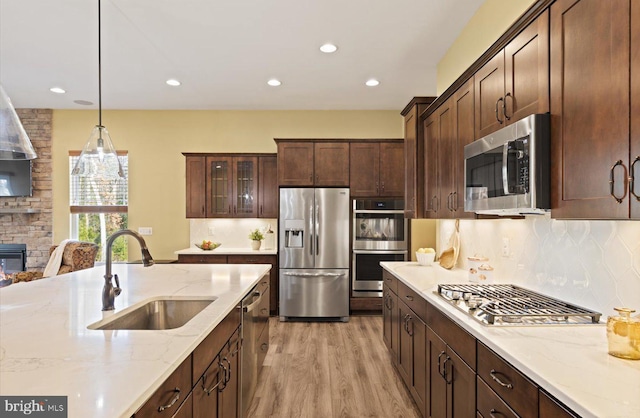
pixel 372 82
pixel 173 82
pixel 328 48
pixel 274 82
pixel 58 90
pixel 83 102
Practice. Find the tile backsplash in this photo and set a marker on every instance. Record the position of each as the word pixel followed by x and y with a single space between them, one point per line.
pixel 595 264
pixel 232 233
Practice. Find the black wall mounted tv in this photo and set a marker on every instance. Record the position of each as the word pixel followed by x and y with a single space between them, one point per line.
pixel 15 178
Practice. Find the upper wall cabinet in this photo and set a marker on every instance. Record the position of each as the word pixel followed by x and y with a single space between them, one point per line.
pixel 413 157
pixel 515 82
pixel 313 163
pixel 595 125
pixel 227 186
pixel 376 168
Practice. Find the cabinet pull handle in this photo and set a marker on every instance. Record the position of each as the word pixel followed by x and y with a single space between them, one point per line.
pixel 228 370
pixel 497 117
pixel 264 311
pixel 410 330
pixel 455 201
pixel 441 373
pixel 383 186
pixel 612 181
pixel 493 373
pixel 202 209
pixel 632 178
pixel 211 389
pixel 264 346
pixel 409 298
pixel 492 413
pixel 172 402
pixel 504 106
pixel 261 211
pixel 433 206
pixel 448 377
pixel 224 378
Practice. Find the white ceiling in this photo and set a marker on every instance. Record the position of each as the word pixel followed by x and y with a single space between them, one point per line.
pixel 224 51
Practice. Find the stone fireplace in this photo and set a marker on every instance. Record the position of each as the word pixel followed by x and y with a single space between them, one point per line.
pixel 29 220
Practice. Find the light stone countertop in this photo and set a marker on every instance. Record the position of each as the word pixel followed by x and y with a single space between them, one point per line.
pixel 47 350
pixel 222 250
pixel 568 361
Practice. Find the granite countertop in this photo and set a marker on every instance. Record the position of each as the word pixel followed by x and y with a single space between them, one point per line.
pixel 222 250
pixel 47 350
pixel 568 361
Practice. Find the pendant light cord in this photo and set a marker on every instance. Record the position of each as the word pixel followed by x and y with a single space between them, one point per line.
pixel 99 69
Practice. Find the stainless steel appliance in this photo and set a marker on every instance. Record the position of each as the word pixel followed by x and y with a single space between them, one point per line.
pixel 254 319
pixel 314 253
pixel 380 233
pixel 506 304
pixel 508 172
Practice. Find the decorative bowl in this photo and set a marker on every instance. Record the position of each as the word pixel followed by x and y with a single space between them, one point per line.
pixel 213 246
pixel 425 259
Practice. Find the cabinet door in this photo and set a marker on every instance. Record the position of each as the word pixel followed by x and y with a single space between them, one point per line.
pixel 245 187
pixel 527 71
pixel 405 345
pixel 635 108
pixel 446 160
pixel 437 387
pixel 489 92
pixel 387 317
pixel 419 330
pixel 461 387
pixel 205 391
pixel 331 164
pixel 464 129
pixel 411 195
pixel 196 188
pixel 295 163
pixel 268 186
pixel 395 326
pixel 364 168
pixel 228 395
pixel 589 108
pixel 392 169
pixel 431 134
pixel 549 407
pixel 219 182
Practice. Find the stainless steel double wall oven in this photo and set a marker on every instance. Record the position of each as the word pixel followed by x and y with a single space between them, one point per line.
pixel 380 233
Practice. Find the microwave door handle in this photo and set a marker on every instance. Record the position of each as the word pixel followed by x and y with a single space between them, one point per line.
pixel 505 168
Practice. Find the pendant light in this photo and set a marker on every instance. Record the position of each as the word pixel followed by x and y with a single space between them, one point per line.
pixel 98 158
pixel 14 141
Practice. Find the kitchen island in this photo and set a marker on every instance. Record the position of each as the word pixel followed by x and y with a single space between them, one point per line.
pixel 46 348
pixel 570 362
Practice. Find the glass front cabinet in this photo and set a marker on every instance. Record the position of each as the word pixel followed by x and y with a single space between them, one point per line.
pixel 232 187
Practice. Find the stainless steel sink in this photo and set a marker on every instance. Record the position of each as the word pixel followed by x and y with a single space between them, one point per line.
pixel 157 314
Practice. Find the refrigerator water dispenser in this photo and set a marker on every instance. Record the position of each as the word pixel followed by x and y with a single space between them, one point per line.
pixel 293 233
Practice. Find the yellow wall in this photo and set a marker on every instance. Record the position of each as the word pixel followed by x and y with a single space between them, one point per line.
pixel 156 139
pixel 491 20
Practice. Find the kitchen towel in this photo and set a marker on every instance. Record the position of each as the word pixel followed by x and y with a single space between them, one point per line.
pixel 53 265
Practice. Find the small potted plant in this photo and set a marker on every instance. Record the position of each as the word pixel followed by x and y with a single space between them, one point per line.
pixel 256 238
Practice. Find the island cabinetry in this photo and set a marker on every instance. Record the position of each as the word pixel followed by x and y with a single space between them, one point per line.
pixel 515 82
pixel 413 157
pixel 202 259
pixel 313 163
pixel 451 373
pixel 228 186
pixel 390 324
pixel 166 400
pixel 376 169
pixel 511 386
pixel 549 407
pixel 590 143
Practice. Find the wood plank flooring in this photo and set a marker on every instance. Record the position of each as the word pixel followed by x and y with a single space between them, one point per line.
pixel 329 370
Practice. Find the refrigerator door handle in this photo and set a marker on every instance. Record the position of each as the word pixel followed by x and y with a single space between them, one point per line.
pixel 317 230
pixel 311 230
pixel 314 274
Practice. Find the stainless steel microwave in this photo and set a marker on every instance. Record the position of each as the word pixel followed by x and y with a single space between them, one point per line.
pixel 508 172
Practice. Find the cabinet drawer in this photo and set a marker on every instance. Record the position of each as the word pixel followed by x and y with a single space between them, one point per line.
pixel 202 259
pixel 513 387
pixel 206 351
pixel 489 403
pixel 390 281
pixel 170 394
pixel 252 259
pixel 463 343
pixel 413 300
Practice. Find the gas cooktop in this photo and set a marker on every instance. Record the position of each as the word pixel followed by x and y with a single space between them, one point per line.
pixel 506 304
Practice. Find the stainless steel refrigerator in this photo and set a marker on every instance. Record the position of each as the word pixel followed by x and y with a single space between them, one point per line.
pixel 314 253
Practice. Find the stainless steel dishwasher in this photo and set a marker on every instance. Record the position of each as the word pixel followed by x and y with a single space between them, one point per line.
pixel 255 316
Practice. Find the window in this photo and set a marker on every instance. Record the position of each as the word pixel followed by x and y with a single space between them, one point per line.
pixel 99 207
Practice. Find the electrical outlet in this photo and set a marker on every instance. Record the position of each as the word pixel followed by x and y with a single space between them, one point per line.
pixel 211 230
pixel 145 230
pixel 506 247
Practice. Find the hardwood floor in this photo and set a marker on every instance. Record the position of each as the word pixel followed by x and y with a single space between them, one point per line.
pixel 329 369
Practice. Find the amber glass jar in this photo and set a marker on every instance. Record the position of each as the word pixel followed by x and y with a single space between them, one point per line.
pixel 623 334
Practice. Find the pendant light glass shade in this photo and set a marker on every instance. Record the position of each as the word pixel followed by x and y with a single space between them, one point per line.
pixel 14 141
pixel 99 157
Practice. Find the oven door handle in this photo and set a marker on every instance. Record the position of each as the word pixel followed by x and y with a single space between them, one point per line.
pixel 379 212
pixel 381 252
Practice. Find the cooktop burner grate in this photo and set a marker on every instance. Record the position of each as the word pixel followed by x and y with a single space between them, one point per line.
pixel 502 304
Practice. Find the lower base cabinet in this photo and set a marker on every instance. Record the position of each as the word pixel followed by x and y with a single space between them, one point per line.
pixel 412 354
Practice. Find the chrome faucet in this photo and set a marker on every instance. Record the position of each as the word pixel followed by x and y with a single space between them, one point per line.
pixel 109 292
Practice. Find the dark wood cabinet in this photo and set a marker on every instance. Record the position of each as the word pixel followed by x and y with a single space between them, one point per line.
pixel 634 189
pixel 414 157
pixel 166 400
pixel 391 322
pixel 515 82
pixel 376 169
pixel 268 186
pixel 549 407
pixel 412 354
pixel 227 186
pixel 590 108
pixel 320 163
pixel 463 133
pixel 431 140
